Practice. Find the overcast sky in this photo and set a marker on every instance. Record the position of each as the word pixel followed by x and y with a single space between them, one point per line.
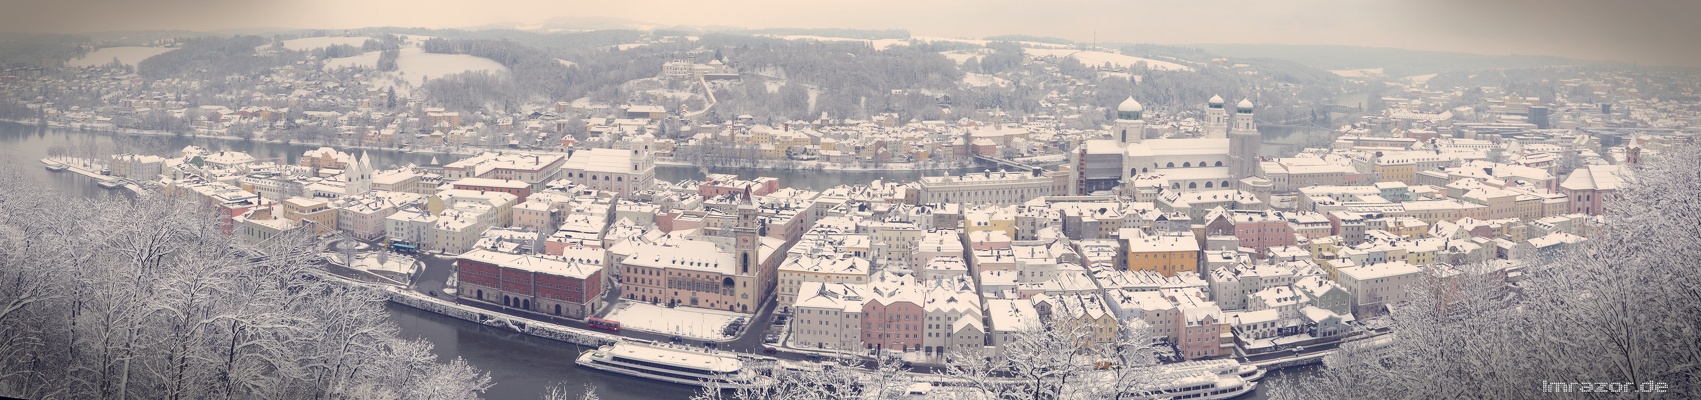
pixel 1640 31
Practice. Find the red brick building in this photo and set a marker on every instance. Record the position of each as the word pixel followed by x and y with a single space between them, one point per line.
pixel 537 283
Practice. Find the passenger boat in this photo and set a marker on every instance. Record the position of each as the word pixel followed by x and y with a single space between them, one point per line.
pixel 679 366
pixel 58 167
pixel 1221 367
pixel 1197 384
pixel 110 184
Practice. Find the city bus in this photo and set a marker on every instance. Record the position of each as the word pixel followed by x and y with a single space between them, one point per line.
pixel 600 323
pixel 403 248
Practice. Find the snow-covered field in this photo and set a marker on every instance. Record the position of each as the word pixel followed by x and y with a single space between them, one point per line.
pixel 984 42
pixel 983 80
pixel 960 55
pixel 1094 58
pixel 1358 73
pixel 689 322
pixel 125 55
pixel 415 65
pixel 368 60
pixel 321 42
pixel 878 44
pixel 1419 79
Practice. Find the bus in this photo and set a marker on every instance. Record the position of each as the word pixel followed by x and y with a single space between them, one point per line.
pixel 600 323
pixel 403 248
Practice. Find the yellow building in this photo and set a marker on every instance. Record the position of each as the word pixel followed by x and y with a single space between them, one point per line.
pixel 308 211
pixel 1165 255
pixel 990 218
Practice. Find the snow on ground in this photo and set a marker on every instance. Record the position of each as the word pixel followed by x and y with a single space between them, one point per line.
pixel 983 80
pixel 984 42
pixel 125 55
pixel 416 65
pixel 565 63
pixel 320 42
pixel 1358 73
pixel 689 322
pixel 368 60
pixel 1419 79
pixel 1096 58
pixel 878 44
pixel 960 56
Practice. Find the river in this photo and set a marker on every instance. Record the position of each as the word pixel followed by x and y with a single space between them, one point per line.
pixel 522 367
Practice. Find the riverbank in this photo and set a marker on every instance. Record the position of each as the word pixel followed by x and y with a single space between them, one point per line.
pixel 456 151
pixel 827 166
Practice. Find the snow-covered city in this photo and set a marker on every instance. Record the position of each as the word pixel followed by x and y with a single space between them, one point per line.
pixel 708 206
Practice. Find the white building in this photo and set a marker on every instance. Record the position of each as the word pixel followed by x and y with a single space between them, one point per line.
pixel 828 316
pixel 1373 286
pixel 1002 187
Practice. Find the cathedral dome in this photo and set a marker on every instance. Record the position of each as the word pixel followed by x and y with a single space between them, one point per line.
pixel 1245 106
pixel 1129 110
pixel 1130 105
pixel 1216 101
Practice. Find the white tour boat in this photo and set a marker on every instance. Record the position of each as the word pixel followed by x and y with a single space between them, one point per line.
pixel 679 366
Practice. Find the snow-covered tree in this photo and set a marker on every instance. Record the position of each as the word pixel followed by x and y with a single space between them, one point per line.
pixel 1060 361
pixel 150 298
pixel 1622 307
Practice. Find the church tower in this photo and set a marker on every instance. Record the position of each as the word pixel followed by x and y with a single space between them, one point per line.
pixel 747 253
pixel 1243 142
pixel 359 176
pixel 1130 128
pixel 1216 119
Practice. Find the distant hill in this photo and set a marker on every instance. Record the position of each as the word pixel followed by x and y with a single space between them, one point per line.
pixel 1395 62
pixel 1029 38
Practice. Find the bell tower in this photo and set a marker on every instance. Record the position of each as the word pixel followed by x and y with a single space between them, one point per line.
pixel 750 276
pixel 1130 128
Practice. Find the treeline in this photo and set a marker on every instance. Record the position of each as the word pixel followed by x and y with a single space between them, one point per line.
pixel 151 298
pixel 212 59
pixel 543 77
pixel 25 50
pixel 870 34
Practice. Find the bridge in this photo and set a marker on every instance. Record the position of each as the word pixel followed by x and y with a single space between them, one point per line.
pixel 1005 164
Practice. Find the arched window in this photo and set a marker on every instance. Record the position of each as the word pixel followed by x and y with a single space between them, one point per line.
pixel 1192 185
pixel 1219 163
pixel 1176 185
pixel 1225 184
pixel 1169 165
pixel 1124 135
pixel 1187 165
pixel 1207 185
pixel 557 309
pixel 1201 164
pixel 1132 172
pixel 745 262
pixel 481 294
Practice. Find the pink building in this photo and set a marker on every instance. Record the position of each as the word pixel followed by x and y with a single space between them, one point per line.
pixel 1256 230
pixel 1589 189
pixel 893 319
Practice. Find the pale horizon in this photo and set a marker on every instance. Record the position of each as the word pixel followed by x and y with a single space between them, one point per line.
pixel 1643 33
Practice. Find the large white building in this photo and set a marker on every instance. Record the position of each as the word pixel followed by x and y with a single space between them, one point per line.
pixel 1002 187
pixel 1227 153
pixel 621 170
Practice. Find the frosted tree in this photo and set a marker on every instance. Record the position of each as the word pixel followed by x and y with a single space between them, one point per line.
pixel 1624 306
pixel 1061 360
pixel 838 378
pixel 150 298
